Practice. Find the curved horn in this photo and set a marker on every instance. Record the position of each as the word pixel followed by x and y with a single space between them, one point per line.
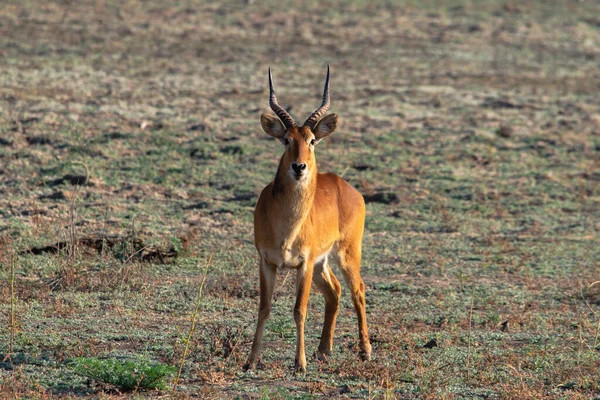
pixel 314 117
pixel 287 119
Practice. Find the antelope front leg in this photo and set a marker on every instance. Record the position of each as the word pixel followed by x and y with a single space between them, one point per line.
pixel 303 283
pixel 268 274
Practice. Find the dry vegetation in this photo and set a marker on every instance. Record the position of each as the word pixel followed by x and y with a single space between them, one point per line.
pixel 130 151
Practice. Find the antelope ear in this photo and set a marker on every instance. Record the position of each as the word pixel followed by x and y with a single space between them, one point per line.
pixel 326 126
pixel 272 126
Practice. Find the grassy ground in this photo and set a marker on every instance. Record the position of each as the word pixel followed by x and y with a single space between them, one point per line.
pixel 130 142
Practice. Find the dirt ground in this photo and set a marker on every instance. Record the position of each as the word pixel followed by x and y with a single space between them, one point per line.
pixel 131 152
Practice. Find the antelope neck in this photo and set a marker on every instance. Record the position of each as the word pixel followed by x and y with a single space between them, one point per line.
pixel 293 202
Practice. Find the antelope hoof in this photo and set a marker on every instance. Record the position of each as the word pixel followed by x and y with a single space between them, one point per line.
pixel 322 355
pixel 299 367
pixel 253 365
pixel 365 350
pixel 250 364
pixel 365 355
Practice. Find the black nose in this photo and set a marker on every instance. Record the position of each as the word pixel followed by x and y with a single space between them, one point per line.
pixel 298 168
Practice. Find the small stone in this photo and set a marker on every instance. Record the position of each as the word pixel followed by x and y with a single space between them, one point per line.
pixel 505 131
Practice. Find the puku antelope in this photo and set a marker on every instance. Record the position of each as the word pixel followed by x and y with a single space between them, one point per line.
pixel 304 219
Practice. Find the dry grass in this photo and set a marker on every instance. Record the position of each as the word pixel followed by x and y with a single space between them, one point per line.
pixel 130 150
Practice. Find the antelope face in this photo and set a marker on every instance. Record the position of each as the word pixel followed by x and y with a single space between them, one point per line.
pixel 299 156
pixel 299 153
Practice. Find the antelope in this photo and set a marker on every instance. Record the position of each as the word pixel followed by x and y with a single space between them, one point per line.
pixel 304 219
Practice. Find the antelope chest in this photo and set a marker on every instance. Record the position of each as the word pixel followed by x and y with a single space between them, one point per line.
pixel 284 258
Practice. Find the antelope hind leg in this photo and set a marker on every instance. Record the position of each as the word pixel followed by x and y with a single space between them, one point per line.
pixel 330 287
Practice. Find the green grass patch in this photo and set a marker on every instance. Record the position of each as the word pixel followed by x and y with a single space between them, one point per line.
pixel 127 375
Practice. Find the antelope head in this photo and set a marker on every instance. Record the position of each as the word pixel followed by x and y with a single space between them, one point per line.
pixel 298 161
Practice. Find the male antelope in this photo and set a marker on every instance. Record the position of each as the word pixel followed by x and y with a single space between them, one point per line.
pixel 302 220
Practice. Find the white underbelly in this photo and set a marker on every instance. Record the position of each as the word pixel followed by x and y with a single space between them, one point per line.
pixel 287 258
pixel 290 258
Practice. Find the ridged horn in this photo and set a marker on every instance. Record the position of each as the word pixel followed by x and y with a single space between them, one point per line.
pixel 287 119
pixel 314 117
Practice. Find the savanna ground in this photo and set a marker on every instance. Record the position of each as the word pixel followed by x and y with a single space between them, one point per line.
pixel 131 151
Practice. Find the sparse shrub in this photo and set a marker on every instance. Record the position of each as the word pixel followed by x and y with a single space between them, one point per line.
pixel 127 375
pixel 176 244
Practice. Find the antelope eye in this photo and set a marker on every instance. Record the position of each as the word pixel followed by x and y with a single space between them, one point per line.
pixel 312 142
pixel 286 141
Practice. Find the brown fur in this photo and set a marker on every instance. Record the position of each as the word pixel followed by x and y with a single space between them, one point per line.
pixel 300 224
